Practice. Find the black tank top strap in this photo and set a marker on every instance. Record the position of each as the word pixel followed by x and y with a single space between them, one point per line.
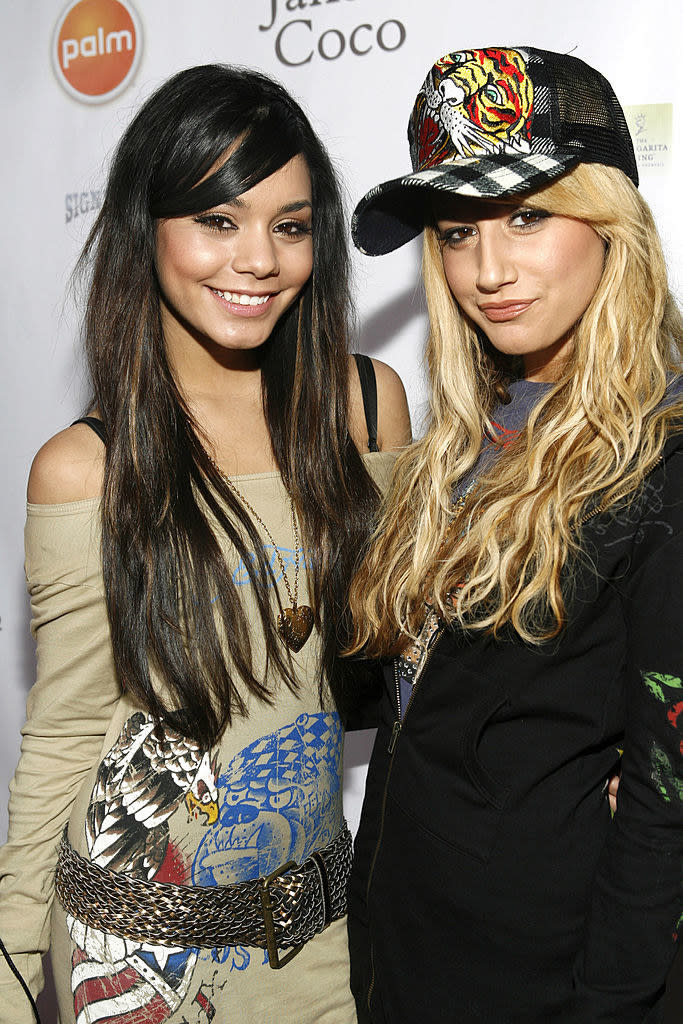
pixel 95 424
pixel 368 387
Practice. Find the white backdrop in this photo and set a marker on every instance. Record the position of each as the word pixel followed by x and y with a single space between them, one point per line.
pixel 356 65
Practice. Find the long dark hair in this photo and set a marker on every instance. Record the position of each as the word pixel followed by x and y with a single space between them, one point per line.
pixel 161 557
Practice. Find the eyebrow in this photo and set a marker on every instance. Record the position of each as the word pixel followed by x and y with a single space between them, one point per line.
pixel 293 207
pixel 467 209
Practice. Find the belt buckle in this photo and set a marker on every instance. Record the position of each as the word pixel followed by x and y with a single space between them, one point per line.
pixel 274 959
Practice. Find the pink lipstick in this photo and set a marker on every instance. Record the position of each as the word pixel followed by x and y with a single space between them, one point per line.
pixel 244 304
pixel 500 312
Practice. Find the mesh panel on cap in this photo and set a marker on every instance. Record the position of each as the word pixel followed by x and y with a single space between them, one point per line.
pixel 589 115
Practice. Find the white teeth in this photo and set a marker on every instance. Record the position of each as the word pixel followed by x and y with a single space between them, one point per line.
pixel 241 299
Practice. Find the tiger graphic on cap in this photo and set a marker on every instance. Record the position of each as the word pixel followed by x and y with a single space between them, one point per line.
pixel 473 102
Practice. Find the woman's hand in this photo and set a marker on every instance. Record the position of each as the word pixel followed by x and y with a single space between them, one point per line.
pixel 612 788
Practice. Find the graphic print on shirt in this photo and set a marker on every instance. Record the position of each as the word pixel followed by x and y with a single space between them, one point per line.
pixel 278 800
pixel 639 517
pixel 140 784
pixel 241 577
pixel 665 774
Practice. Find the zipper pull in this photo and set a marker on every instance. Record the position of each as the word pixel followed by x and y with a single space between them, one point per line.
pixel 394 736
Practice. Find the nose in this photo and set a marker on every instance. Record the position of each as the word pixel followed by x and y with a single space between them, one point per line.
pixel 496 266
pixel 255 253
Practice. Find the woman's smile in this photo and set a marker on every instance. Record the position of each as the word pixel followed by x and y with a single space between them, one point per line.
pixel 244 303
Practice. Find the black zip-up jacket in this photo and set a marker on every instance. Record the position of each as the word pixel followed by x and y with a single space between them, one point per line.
pixel 490 882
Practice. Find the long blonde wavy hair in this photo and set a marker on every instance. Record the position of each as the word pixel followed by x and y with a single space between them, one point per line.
pixel 588 443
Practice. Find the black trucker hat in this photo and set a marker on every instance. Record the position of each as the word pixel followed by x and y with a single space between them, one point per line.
pixel 492 123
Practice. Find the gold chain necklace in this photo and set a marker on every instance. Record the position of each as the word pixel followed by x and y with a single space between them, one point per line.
pixel 294 624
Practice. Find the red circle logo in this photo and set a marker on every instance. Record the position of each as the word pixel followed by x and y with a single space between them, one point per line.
pixel 96 48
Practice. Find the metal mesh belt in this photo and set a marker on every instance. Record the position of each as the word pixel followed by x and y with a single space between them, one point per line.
pixel 300 900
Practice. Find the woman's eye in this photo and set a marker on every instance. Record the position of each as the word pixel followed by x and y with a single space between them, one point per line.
pixel 525 217
pixel 214 221
pixel 294 228
pixel 455 235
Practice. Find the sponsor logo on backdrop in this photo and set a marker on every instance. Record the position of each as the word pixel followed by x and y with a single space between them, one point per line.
pixel 651 127
pixel 77 204
pixel 96 48
pixel 297 40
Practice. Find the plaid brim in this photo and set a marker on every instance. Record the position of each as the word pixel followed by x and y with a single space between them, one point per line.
pixel 393 213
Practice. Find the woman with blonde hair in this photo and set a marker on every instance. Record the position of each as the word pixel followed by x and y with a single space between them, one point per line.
pixel 524 577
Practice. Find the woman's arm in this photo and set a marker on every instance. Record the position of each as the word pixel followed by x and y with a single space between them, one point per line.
pixel 69 467
pixel 637 902
pixel 393 417
pixel 69 707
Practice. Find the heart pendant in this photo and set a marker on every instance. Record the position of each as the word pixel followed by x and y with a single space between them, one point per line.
pixel 294 626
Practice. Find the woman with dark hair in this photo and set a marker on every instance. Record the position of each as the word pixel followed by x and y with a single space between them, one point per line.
pixel 524 576
pixel 189 546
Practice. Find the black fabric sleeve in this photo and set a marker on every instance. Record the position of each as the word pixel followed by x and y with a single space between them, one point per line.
pixel 636 911
pixel 362 686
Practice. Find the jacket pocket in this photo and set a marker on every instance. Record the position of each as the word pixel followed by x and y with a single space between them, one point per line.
pixel 440 780
pixel 491 790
